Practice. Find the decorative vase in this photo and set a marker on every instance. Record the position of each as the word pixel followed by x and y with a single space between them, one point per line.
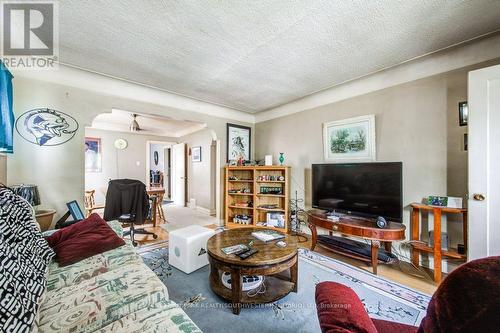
pixel 281 158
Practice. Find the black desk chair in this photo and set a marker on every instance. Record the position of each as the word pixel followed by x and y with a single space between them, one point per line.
pixel 128 202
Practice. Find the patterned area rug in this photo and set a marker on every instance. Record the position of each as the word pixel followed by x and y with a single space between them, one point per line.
pixel 383 299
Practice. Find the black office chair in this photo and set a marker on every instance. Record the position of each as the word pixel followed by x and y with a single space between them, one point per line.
pixel 128 202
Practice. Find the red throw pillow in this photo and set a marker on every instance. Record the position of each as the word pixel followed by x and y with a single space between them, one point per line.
pixel 83 240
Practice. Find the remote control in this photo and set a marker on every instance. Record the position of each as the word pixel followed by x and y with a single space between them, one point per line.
pixel 241 251
pixel 247 254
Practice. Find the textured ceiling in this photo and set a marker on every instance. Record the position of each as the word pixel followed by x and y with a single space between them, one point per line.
pixel 119 120
pixel 255 55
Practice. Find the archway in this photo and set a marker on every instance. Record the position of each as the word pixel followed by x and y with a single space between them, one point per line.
pixel 110 130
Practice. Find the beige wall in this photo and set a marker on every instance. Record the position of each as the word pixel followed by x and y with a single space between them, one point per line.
pixel 3 169
pixel 457 181
pixel 127 163
pixel 410 127
pixel 59 170
pixel 199 173
pixel 416 123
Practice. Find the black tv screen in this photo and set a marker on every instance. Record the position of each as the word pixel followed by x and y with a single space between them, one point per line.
pixel 367 189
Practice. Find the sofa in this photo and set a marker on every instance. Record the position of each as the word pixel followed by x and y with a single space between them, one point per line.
pixel 110 292
pixel 113 291
pixel 468 300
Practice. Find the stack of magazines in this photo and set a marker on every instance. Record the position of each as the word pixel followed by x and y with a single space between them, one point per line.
pixel 267 235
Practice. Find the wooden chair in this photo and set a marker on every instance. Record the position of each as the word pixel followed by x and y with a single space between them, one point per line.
pixel 90 205
pixel 157 179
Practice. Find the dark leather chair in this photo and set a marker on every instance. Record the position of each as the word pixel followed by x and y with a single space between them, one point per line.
pixel 468 300
pixel 127 201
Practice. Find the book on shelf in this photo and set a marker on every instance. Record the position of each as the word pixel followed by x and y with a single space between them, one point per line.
pixel 267 235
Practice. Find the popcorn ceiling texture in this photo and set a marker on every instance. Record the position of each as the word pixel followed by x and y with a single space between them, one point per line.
pixel 255 55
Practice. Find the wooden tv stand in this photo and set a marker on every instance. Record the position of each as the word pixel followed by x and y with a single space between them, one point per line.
pixel 358 227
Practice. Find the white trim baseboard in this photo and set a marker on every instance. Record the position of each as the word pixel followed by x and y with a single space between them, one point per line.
pixel 204 210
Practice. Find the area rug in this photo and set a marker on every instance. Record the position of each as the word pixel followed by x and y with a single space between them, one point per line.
pixel 383 299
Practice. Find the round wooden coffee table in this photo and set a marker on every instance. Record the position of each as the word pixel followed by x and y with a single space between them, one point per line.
pixel 279 265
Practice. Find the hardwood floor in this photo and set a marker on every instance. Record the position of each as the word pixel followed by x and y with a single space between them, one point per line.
pixel 403 273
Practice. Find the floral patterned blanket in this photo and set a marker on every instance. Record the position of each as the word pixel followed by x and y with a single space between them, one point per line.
pixel 110 292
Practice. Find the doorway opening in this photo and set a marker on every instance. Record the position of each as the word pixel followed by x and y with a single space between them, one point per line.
pixel 158 166
pixel 157 151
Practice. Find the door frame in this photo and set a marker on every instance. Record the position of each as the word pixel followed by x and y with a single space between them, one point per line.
pixel 173 161
pixel 148 152
pixel 218 185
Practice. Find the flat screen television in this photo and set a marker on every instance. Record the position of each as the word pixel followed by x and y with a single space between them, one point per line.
pixel 365 189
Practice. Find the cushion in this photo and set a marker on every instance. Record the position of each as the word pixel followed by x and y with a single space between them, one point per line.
pixel 163 316
pixel 91 267
pixel 468 300
pixel 83 240
pixel 101 300
pixel 340 310
pixel 24 258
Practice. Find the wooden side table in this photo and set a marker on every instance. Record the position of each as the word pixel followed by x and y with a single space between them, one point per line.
pixel 435 250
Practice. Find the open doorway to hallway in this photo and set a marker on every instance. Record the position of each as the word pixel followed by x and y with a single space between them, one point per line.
pixel 158 152
pixel 158 167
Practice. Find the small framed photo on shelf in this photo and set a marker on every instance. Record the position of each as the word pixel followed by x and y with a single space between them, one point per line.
pixel 196 154
pixel 463 113
pixel 275 219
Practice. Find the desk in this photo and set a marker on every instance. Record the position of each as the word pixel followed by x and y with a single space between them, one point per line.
pixel 358 227
pixel 437 252
pixel 159 192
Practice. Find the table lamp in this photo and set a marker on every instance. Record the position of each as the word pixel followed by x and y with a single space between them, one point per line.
pixel 29 193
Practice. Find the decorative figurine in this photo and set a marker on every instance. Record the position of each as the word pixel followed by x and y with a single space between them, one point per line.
pixel 281 158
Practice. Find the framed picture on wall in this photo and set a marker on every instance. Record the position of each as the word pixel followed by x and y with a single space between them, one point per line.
pixel 463 113
pixel 350 139
pixel 93 155
pixel 238 142
pixel 196 154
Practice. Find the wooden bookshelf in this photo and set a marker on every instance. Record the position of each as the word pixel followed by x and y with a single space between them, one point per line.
pixel 250 182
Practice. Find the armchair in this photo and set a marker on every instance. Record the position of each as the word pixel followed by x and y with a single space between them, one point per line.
pixel 468 300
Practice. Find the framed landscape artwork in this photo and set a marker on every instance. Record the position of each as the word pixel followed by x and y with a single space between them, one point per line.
pixel 350 139
pixel 238 142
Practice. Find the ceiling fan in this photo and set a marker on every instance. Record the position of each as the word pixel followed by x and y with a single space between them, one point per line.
pixel 134 125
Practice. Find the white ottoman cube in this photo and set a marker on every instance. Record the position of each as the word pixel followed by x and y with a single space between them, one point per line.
pixel 187 248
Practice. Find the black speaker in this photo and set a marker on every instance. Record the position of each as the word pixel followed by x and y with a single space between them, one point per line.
pixel 381 222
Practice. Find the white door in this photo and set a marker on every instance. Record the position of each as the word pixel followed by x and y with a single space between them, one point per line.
pixel 484 162
pixel 166 172
pixel 179 174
